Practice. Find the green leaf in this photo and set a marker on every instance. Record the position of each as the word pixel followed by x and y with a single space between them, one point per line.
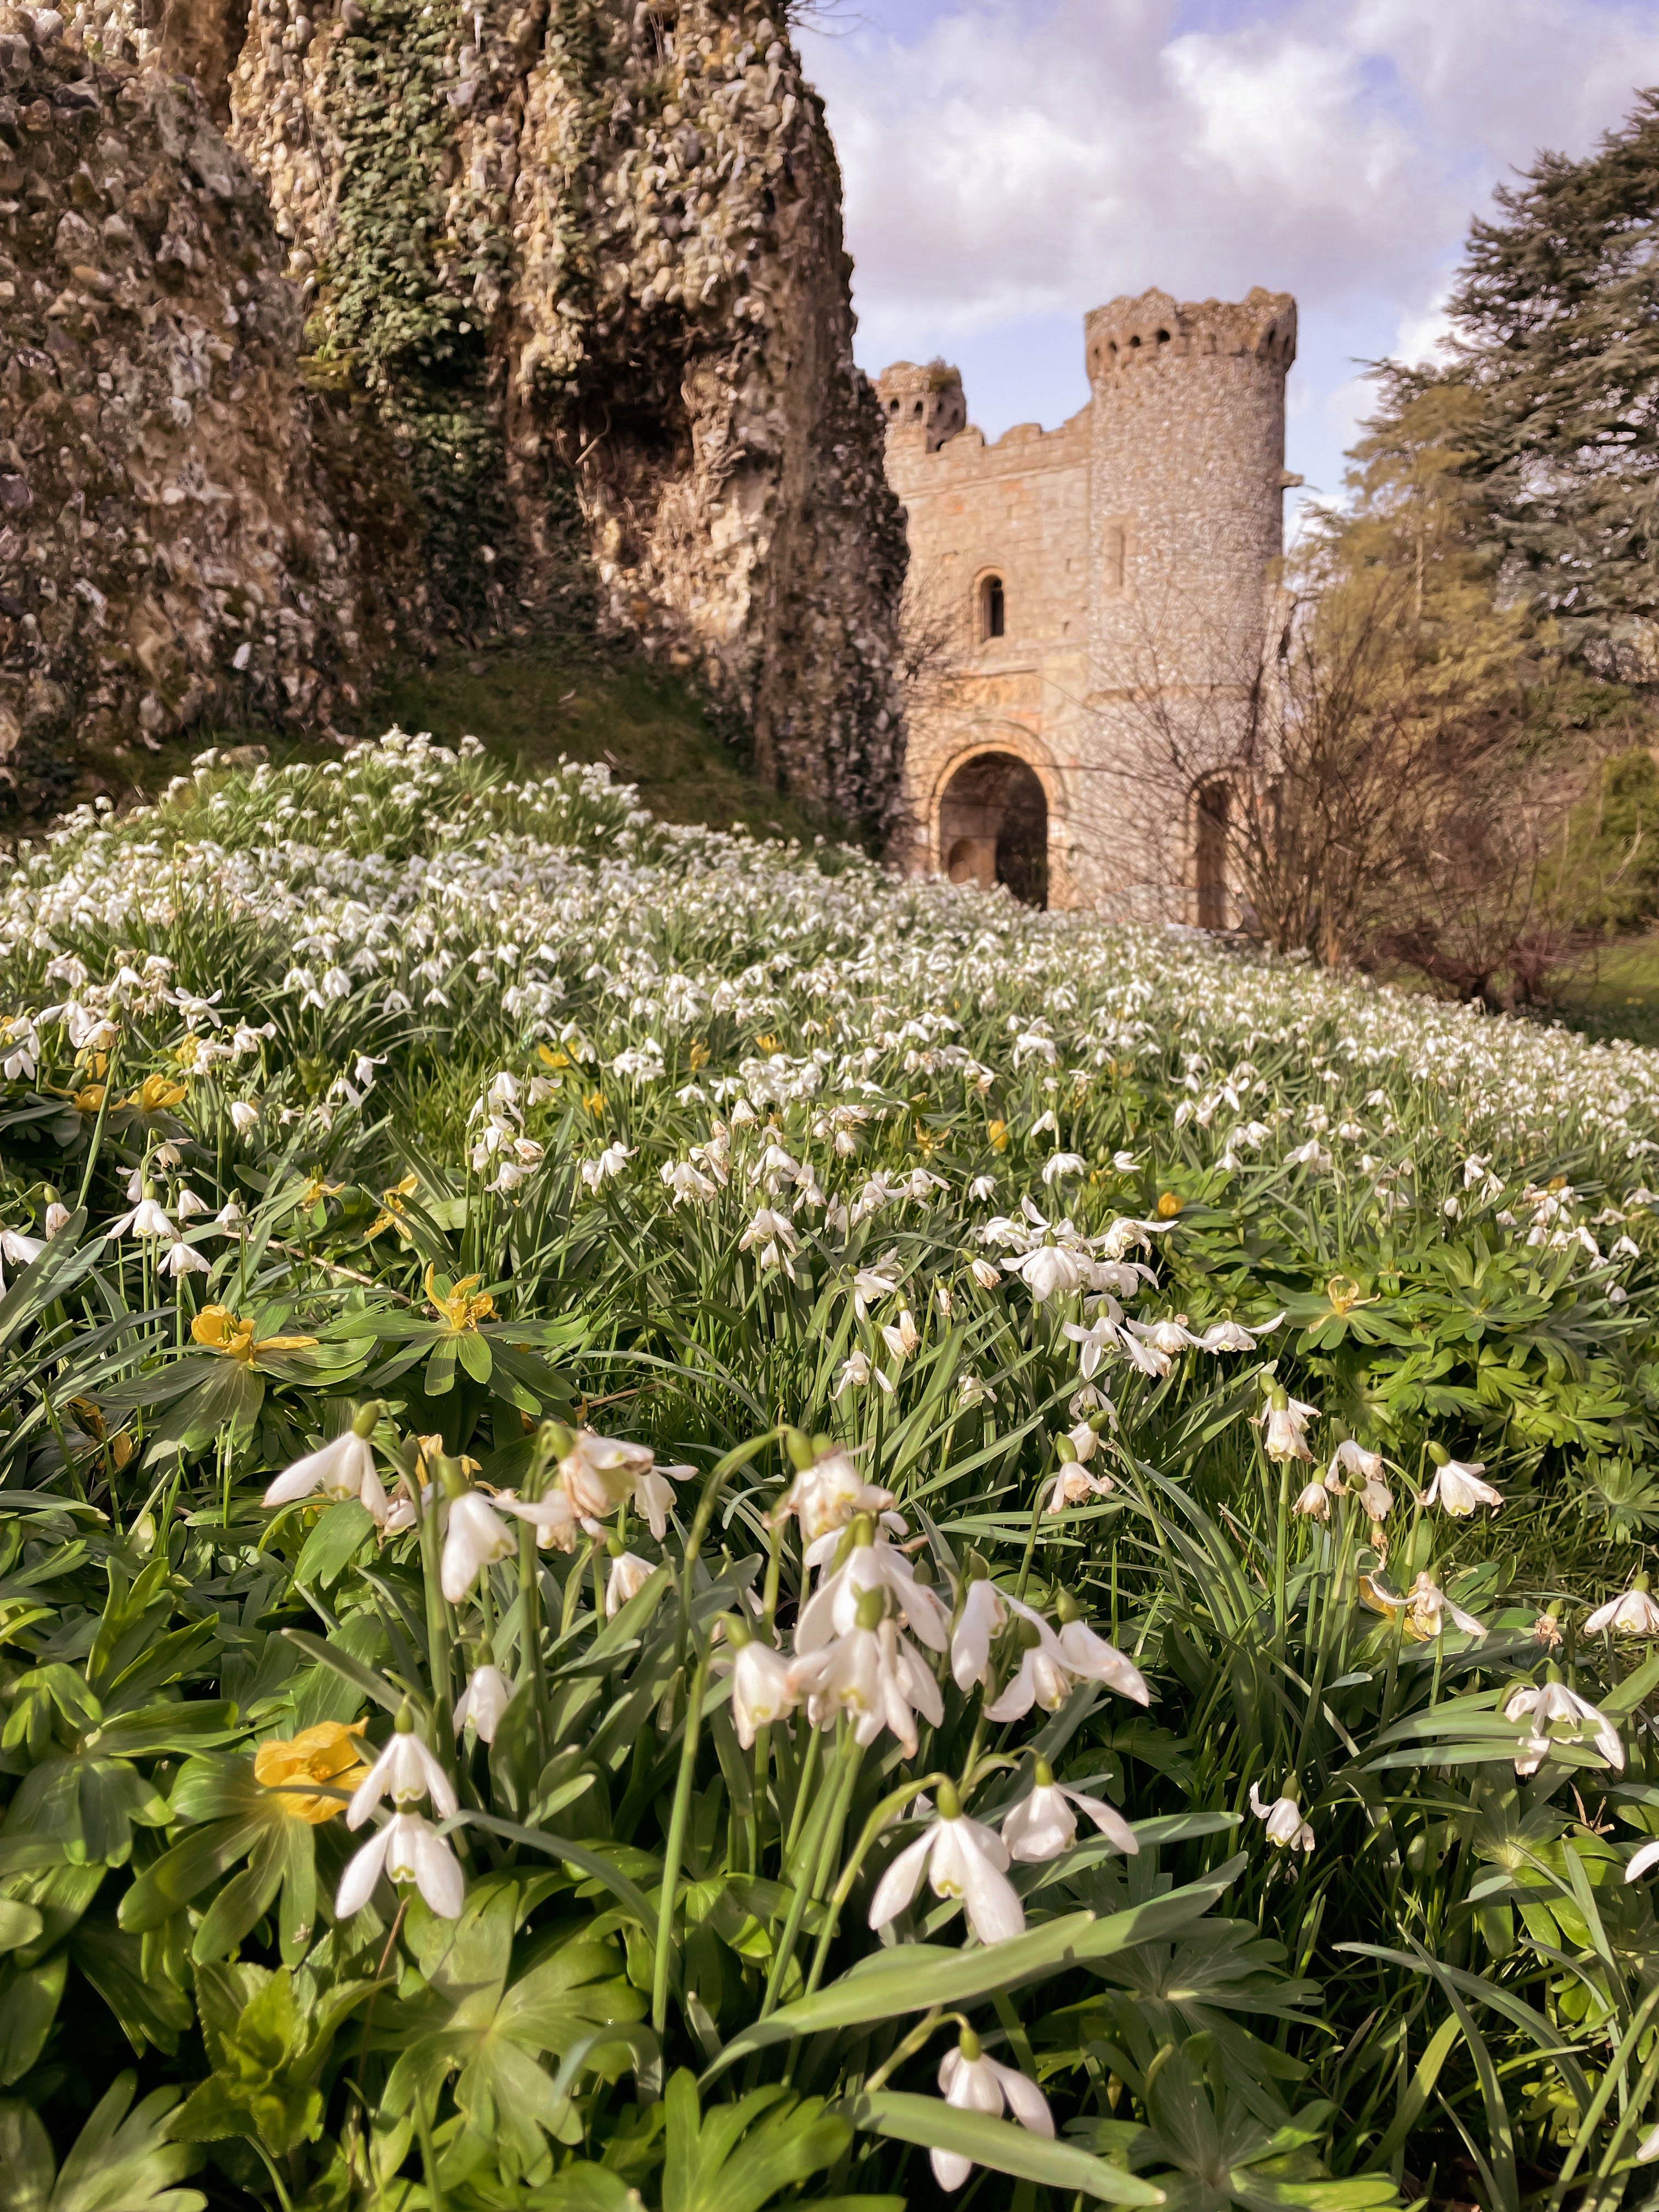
pixel 913 1977
pixel 1002 2145
pixel 339 1536
pixel 25 2157
pixel 29 1997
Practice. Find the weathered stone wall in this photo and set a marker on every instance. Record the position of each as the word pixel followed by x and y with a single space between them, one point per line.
pixel 586 257
pixel 166 549
pixel 1135 548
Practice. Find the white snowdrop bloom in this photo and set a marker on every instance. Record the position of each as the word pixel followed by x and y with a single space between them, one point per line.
pixel 405 1771
pixel 874 1675
pixel 407 1849
pixel 1286 1827
pixel 982 1189
pixel 1286 1427
pixel 483 1702
pixel 985 1273
pixel 826 1495
pixel 57 1216
pixel 772 1235
pixel 556 1520
pixel 901 1337
pixel 1044 1824
pixel 182 1259
pixel 962 1858
pixel 1313 1501
pixel 1625 1248
pixel 874 1565
pixel 612 1162
pixel 1094 1342
pixel 869 1285
pixel 1170 1336
pixel 627 1576
pixel 855 1372
pixel 1635 1613
pixel 1557 1714
pixel 973 2083
pixel 344 1468
pixel 1072 1484
pixel 186 1204
pixel 148 1218
pixel 1091 1658
pixel 1372 1492
pixel 974 1391
pixel 599 1471
pixel 1047 1271
pixel 1062 1163
pixel 763 1689
pixel 1427 1608
pixel 1226 1336
pixel 1644 1858
pixel 475 1535
pixel 17 1250
pixel 984 1613
pixel 230 1217
pixel 686 1183
pixel 654 1494
pixel 1458 1489
pixel 244 1115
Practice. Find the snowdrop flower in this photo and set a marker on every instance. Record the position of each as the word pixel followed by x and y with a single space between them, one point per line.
pixel 773 1234
pixel 599 1471
pixel 901 1337
pixel 985 1273
pixel 1314 1501
pixel 874 1675
pixel 1426 1606
pixel 1170 1336
pixel 612 1162
pixel 1557 1714
pixel 654 1494
pixel 18 1251
pixel 1285 1420
pixel 407 1849
pixel 869 1285
pixel 554 1518
pixel 1046 1271
pixel 1091 1658
pixel 627 1576
pixel 182 1259
pixel 475 1536
pixel 1041 1677
pixel 982 1189
pixel 1072 1483
pixel 187 1205
pixel 244 1115
pixel 686 1183
pixel 405 1771
pixel 1458 1489
pixel 1373 1493
pixel 1647 1856
pixel 855 1372
pixel 984 1614
pixel 961 1859
pixel 1286 1828
pixel 1062 1163
pixel 483 1701
pixel 763 1687
pixel 344 1468
pixel 875 1565
pixel 1095 1341
pixel 1043 1824
pixel 1635 1613
pixel 973 2083
pixel 1234 1336
pixel 57 1216
pixel 147 1218
pixel 827 1494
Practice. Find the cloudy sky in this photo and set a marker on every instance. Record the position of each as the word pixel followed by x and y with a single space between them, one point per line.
pixel 1010 163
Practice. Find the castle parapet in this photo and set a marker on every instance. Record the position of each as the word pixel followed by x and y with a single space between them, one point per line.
pixel 923 401
pixel 1125 333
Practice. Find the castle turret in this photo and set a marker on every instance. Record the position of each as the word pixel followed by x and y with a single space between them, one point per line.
pixel 1187 482
pixel 924 406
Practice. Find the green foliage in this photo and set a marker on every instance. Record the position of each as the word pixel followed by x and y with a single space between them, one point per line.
pixel 536 1091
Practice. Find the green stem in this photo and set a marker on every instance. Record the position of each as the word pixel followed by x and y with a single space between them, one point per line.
pixel 428 2153
pixel 437 1628
pixel 96 1145
pixel 893 1802
pixel 805 1886
pixel 678 1822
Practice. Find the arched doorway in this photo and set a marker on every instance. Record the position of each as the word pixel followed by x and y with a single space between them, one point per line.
pixel 1210 854
pixel 993 828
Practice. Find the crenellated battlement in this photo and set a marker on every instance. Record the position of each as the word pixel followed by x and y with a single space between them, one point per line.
pixel 1126 333
pixel 926 398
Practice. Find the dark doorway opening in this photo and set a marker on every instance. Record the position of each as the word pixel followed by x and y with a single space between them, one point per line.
pixel 993 828
pixel 1210 855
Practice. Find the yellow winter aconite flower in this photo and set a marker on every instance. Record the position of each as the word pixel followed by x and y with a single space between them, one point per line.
pixel 549 1058
pixel 316 1190
pixel 594 1102
pixel 1168 1206
pixel 89 1099
pixel 700 1055
pixel 219 1330
pixel 391 1202
pixel 459 1307
pixel 769 1045
pixel 998 1135
pixel 155 1094
pixel 1344 1294
pixel 186 1051
pixel 329 1752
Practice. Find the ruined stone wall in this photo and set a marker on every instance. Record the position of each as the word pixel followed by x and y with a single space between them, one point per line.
pixel 168 546
pixel 586 258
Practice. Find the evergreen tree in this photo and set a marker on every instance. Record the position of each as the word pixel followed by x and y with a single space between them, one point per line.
pixel 1556 317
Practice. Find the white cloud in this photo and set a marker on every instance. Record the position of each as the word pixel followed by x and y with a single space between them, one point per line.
pixel 1012 159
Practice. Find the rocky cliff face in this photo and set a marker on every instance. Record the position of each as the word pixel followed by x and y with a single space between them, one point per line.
pixel 586 258
pixel 169 547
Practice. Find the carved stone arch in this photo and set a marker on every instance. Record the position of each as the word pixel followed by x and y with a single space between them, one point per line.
pixel 995 776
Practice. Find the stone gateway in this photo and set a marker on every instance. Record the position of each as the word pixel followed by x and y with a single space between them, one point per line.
pixel 1073 588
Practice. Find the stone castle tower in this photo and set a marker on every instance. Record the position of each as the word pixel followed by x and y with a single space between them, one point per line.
pixel 1090 605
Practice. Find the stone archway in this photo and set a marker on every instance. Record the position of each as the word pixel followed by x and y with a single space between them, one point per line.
pixel 994 827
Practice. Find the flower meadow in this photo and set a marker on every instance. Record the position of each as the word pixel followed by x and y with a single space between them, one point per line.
pixel 682 1527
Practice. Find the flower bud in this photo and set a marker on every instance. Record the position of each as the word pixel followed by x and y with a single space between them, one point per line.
pixel 799 1449
pixel 950 1805
pixel 1043 1776
pixel 365 1418
pixel 1067 1606
pixel 1065 1450
pixel 1438 1454
pixel 970 2047
pixel 737 1630
pixel 405 1718
pixel 557 1438
pixel 451 1475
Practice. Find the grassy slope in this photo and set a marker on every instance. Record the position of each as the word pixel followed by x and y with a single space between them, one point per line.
pixel 646 725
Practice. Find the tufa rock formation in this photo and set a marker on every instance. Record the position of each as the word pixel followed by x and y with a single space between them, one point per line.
pixel 579 264
pixel 166 549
